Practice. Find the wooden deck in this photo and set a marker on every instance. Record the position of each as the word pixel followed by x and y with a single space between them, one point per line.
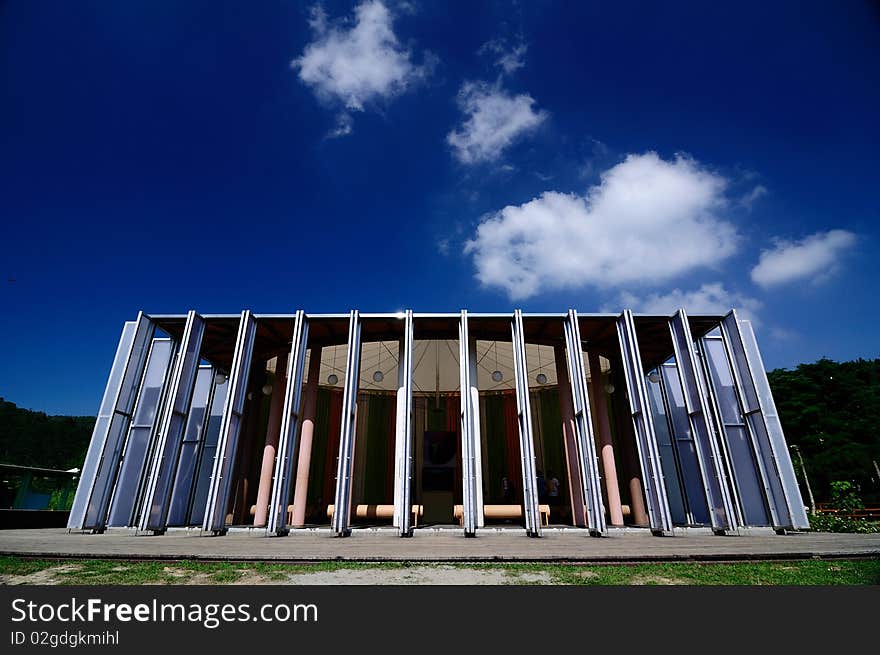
pixel 439 545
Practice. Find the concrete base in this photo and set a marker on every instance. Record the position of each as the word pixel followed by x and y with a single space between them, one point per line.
pixel 29 519
pixel 438 544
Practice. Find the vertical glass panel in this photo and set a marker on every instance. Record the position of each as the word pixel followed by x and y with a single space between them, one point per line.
pixel 89 470
pixel 643 424
pixel 132 467
pixel 667 455
pixel 759 380
pixel 693 386
pixel 784 467
pixel 348 428
pixel 685 447
pixel 196 420
pixel 757 426
pixel 526 438
pixel 284 474
pixel 106 468
pixel 189 449
pixel 586 442
pixel 745 374
pixel 167 451
pixel 89 473
pixel 148 404
pixel 725 391
pixel 137 447
pixel 227 443
pixel 749 396
pixel 206 459
pixel 151 394
pixel 116 372
pixel 739 447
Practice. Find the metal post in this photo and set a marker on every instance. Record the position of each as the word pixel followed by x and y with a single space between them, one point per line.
pixel 348 429
pixel 583 427
pixel 154 513
pixel 646 440
pixel 566 410
pixel 721 512
pixel 289 424
pixel 230 426
pixel 797 452
pixel 524 416
pixel 403 436
pixel 472 500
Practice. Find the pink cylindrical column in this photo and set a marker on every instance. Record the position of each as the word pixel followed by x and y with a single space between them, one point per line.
pixel 566 409
pixel 630 451
pixel 305 440
pixel 636 493
pixel 603 426
pixel 273 430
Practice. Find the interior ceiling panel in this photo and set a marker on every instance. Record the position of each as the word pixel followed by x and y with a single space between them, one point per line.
pixel 435 358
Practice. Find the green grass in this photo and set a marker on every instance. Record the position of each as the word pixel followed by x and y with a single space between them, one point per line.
pixel 119 572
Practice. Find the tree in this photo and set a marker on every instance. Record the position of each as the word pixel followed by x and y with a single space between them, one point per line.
pixel 32 438
pixel 831 410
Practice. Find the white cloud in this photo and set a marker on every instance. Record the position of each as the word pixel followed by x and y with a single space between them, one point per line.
pixel 814 257
pixel 494 120
pixel 749 199
pixel 783 334
pixel 508 59
pixel 356 62
pixel 344 125
pixel 647 221
pixel 712 298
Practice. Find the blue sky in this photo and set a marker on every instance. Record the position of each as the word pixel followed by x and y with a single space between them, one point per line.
pixel 281 155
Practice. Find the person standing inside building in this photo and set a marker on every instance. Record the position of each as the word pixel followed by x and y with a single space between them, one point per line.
pixel 506 490
pixel 552 488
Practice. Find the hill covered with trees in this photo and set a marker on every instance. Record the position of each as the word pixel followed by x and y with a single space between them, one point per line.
pixel 29 438
pixel 831 410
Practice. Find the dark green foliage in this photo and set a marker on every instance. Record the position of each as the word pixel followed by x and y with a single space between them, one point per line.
pixel 34 439
pixel 496 451
pixel 380 443
pixel 547 401
pixel 831 411
pixel 845 497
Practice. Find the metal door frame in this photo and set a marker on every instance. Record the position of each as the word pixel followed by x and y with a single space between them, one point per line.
pixel 588 464
pixel 646 440
pixel 289 432
pixel 230 426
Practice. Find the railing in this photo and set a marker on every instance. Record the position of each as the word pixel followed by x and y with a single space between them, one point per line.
pixel 864 513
